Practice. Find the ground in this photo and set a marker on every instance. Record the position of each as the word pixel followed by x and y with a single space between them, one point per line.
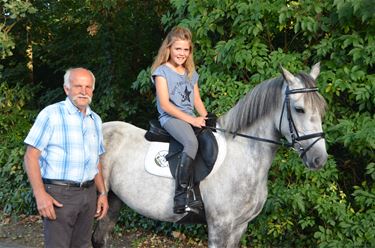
pixel 26 232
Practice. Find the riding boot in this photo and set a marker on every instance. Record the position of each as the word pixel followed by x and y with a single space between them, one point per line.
pixel 185 170
pixel 183 174
pixel 180 199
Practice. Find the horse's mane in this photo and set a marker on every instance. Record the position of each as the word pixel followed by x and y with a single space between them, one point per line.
pixel 263 100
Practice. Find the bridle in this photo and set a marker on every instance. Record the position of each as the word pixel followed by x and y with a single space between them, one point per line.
pixel 292 127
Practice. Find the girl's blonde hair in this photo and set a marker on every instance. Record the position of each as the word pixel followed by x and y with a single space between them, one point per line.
pixel 177 33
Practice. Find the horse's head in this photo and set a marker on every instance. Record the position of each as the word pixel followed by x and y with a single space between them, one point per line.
pixel 301 117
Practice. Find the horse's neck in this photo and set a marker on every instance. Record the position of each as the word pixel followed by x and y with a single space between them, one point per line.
pixel 253 155
pixel 243 175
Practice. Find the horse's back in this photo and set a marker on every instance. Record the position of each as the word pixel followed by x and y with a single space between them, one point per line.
pixel 122 141
pixel 119 128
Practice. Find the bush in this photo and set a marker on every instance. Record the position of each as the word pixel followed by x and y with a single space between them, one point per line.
pixel 15 122
pixel 308 209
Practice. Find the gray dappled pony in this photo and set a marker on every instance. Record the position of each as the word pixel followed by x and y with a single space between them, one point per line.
pixel 235 193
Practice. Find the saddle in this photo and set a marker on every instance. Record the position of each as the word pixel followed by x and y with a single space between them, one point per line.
pixel 206 155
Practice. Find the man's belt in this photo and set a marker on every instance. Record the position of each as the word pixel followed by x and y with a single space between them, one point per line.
pixel 68 183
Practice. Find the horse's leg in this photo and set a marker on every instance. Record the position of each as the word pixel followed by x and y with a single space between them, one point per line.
pixel 236 235
pixel 225 235
pixel 104 226
pixel 218 235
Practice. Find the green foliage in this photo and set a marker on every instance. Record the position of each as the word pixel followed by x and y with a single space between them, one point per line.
pixel 360 138
pixel 12 12
pixel 308 208
pixel 15 192
pixel 355 225
pixel 125 39
pixel 112 38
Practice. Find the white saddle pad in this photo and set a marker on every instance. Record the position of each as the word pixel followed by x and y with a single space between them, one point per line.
pixel 157 164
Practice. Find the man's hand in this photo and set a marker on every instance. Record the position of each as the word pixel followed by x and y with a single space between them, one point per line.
pixel 46 205
pixel 101 207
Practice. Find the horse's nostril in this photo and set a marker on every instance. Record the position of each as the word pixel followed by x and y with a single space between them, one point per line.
pixel 317 162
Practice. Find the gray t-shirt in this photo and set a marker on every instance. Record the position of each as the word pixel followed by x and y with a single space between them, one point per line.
pixel 180 89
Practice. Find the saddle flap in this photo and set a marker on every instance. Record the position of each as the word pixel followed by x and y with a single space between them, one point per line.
pixel 206 156
pixel 208 147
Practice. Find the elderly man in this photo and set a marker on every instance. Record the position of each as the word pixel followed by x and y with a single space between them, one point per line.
pixel 62 162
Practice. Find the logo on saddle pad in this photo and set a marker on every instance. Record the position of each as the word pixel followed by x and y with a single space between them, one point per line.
pixel 156 162
pixel 160 158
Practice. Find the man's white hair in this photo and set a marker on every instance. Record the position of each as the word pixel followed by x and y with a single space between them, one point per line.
pixel 67 77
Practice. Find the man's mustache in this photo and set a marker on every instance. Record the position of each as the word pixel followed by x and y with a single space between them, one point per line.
pixel 82 96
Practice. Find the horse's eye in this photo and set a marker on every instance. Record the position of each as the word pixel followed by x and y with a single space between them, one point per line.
pixel 299 110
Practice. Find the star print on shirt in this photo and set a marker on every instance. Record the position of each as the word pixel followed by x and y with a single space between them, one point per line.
pixel 186 95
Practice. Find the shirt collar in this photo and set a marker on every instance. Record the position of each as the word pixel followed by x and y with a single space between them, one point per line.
pixel 72 109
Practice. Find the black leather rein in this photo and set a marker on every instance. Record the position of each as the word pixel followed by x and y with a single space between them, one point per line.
pixel 292 127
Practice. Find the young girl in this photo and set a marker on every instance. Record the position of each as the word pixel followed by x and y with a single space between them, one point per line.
pixel 176 82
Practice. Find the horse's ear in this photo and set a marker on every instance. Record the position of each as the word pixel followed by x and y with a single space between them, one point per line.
pixel 289 77
pixel 315 70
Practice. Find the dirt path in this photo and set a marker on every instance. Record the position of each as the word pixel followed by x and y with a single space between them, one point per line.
pixel 26 232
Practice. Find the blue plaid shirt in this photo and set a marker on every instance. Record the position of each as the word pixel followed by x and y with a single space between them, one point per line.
pixel 70 143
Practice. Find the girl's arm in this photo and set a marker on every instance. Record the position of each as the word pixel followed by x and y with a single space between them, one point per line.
pixel 198 104
pixel 163 95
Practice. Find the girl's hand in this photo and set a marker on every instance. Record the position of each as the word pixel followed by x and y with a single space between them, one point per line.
pixel 199 121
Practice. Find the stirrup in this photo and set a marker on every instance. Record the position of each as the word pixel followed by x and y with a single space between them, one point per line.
pixel 194 201
pixel 192 209
pixel 180 209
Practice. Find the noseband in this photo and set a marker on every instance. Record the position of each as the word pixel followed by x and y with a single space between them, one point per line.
pixel 292 127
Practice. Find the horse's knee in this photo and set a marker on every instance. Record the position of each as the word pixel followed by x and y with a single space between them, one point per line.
pixel 104 226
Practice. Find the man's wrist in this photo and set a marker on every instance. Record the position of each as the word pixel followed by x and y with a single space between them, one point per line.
pixel 104 193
